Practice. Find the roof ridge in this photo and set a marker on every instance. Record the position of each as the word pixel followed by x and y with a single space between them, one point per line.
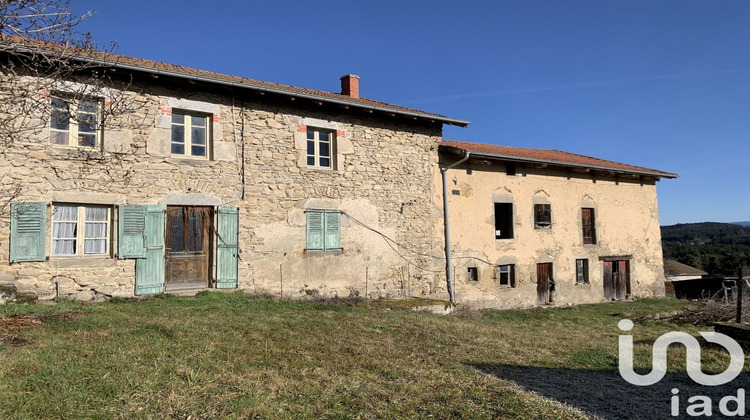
pixel 153 65
pixel 554 156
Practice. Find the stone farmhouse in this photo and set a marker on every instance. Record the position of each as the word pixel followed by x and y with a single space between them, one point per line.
pixel 215 181
pixel 540 227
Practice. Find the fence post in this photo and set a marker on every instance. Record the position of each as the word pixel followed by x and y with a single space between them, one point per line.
pixel 740 283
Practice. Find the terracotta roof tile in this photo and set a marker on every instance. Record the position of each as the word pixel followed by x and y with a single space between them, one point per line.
pixel 553 157
pixel 156 67
pixel 674 268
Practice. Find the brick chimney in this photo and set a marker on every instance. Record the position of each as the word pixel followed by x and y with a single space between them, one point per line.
pixel 350 85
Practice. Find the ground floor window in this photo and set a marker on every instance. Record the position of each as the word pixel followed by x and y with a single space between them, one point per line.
pixel 506 275
pixel 582 271
pixel 323 230
pixel 80 230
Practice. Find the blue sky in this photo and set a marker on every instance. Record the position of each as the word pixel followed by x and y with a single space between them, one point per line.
pixel 663 84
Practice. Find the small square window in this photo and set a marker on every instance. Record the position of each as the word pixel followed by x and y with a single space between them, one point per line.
pixel 472 274
pixel 506 275
pixel 582 271
pixel 542 216
pixel 190 134
pixel 510 168
pixel 74 122
pixel 80 230
pixel 320 146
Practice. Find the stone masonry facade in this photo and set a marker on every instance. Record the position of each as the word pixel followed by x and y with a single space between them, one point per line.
pixel 381 181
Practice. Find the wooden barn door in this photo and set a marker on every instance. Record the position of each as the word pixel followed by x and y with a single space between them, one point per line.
pixel 188 251
pixel 544 283
pixel 616 279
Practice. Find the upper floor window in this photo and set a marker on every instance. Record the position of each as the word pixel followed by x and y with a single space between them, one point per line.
pixel 189 134
pixel 319 147
pixel 542 216
pixel 80 230
pixel 74 122
pixel 588 224
pixel 503 220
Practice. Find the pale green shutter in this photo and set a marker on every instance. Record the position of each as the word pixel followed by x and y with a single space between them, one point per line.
pixel 28 231
pixel 332 230
pixel 315 230
pixel 149 271
pixel 131 232
pixel 227 249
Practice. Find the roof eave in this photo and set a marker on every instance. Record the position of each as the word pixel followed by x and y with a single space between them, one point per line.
pixel 280 91
pixel 558 163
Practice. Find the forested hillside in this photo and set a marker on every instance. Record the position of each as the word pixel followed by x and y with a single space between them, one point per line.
pixel 717 248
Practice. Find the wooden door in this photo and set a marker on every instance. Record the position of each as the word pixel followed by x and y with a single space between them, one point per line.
pixel 188 251
pixel 544 283
pixel 616 279
pixel 621 280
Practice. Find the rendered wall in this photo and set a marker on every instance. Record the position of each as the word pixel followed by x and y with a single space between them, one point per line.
pixel 627 225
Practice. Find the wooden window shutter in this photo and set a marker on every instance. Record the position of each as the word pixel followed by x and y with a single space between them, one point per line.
pixel 315 223
pixel 28 231
pixel 227 247
pixel 332 230
pixel 512 275
pixel 131 235
pixel 149 271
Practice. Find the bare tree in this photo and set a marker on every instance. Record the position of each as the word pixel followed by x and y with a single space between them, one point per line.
pixel 50 75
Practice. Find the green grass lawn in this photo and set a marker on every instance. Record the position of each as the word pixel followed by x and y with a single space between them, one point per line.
pixel 237 356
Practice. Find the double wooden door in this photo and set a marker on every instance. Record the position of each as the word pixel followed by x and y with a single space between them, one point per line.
pixel 188 247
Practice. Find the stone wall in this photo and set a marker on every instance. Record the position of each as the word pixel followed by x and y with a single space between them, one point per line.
pixel 627 225
pixel 382 181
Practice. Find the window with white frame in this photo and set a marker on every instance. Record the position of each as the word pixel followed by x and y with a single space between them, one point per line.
pixel 319 148
pixel 506 275
pixel 74 122
pixel 80 230
pixel 190 134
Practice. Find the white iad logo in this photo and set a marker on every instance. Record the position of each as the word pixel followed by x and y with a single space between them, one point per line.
pixel 693 350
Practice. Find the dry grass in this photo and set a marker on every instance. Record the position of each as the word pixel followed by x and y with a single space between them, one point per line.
pixel 230 355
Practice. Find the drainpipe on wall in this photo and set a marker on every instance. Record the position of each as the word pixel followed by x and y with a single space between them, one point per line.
pixel 446 223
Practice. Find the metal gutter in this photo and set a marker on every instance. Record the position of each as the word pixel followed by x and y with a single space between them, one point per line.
pixel 567 164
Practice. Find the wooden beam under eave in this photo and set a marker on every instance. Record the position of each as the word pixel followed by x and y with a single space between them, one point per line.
pixel 292 98
pixel 627 175
pixel 581 170
pixel 537 165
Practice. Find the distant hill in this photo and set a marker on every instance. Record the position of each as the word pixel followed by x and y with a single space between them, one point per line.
pixel 717 248
pixel 741 223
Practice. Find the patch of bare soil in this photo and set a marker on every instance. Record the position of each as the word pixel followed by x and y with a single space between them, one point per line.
pixel 11 326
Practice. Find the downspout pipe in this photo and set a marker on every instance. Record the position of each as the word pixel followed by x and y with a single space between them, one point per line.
pixel 447 225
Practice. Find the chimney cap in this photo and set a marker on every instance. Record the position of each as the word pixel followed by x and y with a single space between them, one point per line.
pixel 347 76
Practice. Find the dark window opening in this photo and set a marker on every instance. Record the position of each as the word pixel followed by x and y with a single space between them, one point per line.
pixel 503 220
pixel 506 275
pixel 510 168
pixel 472 274
pixel 582 271
pixel 542 216
pixel 588 224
